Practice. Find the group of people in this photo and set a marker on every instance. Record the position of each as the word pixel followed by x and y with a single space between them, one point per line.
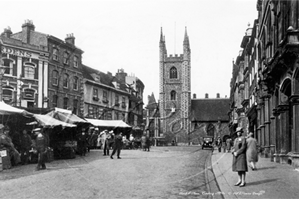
pixel 15 149
pixel 225 144
pixel 244 149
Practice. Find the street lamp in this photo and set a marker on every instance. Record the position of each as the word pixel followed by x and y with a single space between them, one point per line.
pixel 2 70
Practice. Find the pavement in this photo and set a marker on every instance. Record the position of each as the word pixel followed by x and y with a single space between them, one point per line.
pixel 270 180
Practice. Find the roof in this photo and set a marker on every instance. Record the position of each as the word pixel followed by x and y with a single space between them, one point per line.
pixel 209 110
pixel 108 123
pixel 89 72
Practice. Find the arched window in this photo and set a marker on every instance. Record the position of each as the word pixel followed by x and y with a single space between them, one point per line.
pixel 173 95
pixel 8 64
pixel 55 54
pixel 210 130
pixel 55 77
pixel 54 100
pixel 66 58
pixel 66 103
pixel 75 61
pixel 66 80
pixel 173 73
pixel 7 94
pixel 75 83
pixel 75 106
pixel 29 94
pixel 29 70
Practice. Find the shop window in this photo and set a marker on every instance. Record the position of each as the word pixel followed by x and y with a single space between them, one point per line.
pixel 29 70
pixel 55 77
pixel 173 73
pixel 173 95
pixel 66 81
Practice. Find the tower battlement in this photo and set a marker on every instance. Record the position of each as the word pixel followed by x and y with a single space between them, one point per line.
pixel 174 58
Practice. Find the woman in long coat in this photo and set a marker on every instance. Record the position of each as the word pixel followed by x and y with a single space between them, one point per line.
pixel 252 155
pixel 239 163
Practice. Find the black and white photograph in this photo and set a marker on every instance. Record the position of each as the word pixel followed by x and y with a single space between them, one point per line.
pixel 160 99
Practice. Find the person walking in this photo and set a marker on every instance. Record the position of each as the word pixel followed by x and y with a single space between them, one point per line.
pixel 41 144
pixel 252 155
pixel 104 140
pixel 25 147
pixel 239 161
pixel 117 146
pixel 228 144
pixel 219 144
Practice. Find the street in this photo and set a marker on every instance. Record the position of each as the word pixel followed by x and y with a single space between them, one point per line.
pixel 164 172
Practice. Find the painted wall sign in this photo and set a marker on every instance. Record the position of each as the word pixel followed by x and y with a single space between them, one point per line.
pixel 16 52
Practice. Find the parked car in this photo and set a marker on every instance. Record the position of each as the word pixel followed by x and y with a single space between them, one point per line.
pixel 208 143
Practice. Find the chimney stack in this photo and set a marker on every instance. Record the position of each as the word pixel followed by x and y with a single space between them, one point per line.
pixel 206 95
pixel 218 95
pixel 27 27
pixel 70 39
pixel 7 32
pixel 194 96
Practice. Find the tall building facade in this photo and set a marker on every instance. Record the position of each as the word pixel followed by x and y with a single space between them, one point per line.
pixel 265 82
pixel 175 91
pixel 59 79
pixel 25 78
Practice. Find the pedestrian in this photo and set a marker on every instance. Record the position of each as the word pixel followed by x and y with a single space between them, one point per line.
pixel 228 144
pixel 219 144
pixel 82 143
pixel 239 161
pixel 117 146
pixel 25 147
pixel 41 145
pixel 252 155
pixel 5 146
pixel 15 156
pixel 104 136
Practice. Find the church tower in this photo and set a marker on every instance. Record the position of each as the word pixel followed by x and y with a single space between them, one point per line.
pixel 175 91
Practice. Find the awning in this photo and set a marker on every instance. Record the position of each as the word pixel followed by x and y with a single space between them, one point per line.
pixel 48 121
pixel 66 116
pixel 108 123
pixel 6 109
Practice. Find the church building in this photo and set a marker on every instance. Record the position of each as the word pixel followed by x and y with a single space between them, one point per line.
pixel 175 91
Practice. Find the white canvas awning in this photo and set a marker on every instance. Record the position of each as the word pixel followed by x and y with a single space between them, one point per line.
pixel 48 121
pixel 6 109
pixel 66 116
pixel 108 123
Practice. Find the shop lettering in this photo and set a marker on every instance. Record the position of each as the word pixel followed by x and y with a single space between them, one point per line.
pixel 16 52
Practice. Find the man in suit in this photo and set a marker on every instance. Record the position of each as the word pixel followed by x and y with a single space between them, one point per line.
pixel 117 146
pixel 41 144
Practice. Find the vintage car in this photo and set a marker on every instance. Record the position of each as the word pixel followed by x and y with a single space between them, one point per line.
pixel 207 143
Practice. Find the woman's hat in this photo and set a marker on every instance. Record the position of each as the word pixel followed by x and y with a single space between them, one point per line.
pixel 239 129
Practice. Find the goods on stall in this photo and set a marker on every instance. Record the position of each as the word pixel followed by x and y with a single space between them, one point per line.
pixel 6 164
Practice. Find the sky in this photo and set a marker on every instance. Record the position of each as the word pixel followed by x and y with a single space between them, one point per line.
pixel 124 34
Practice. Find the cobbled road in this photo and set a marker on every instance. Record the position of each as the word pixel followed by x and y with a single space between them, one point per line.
pixel 164 172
